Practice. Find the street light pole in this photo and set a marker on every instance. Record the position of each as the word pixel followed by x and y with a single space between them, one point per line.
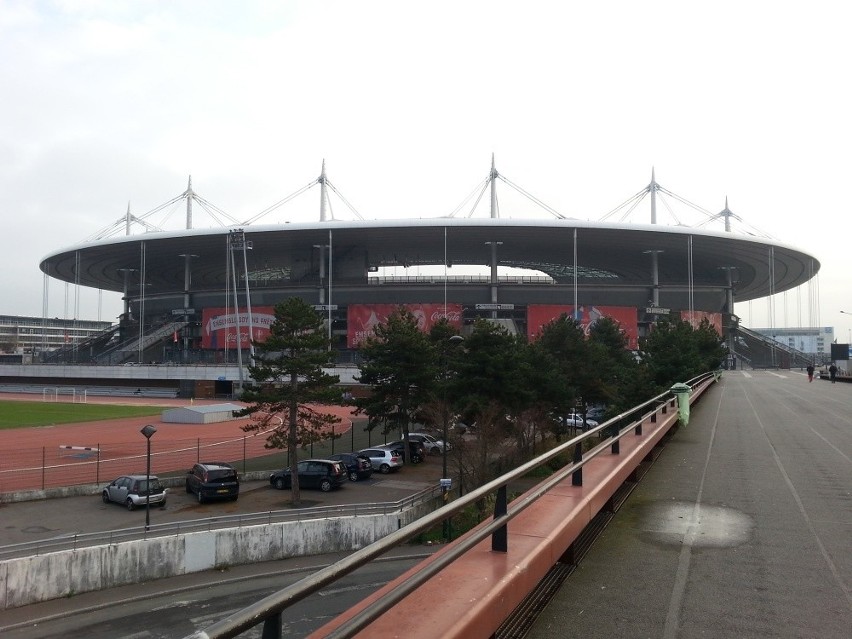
pixel 445 481
pixel 148 431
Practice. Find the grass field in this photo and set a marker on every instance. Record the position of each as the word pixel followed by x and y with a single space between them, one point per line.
pixel 17 414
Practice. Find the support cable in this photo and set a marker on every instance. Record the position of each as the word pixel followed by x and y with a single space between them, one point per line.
pixel 343 199
pixel 480 188
pixel 532 198
pixel 269 209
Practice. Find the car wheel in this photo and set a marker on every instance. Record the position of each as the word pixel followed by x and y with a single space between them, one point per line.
pixel 200 498
pixel 105 497
pixel 279 483
pixel 163 504
pixel 129 504
pixel 353 475
pixel 384 469
pixel 325 485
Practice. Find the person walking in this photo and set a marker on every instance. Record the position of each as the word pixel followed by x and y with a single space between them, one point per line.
pixel 810 370
pixel 832 373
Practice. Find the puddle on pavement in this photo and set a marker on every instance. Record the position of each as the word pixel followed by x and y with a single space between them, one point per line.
pixel 698 525
pixel 36 529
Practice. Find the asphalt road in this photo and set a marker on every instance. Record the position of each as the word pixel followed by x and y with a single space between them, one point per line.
pixel 173 608
pixel 176 607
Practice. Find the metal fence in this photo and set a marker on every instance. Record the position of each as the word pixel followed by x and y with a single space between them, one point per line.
pixel 49 467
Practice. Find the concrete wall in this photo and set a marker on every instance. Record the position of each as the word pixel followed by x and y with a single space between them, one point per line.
pixel 61 574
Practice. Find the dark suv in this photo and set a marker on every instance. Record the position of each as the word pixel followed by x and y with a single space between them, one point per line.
pixel 357 466
pixel 324 474
pixel 213 480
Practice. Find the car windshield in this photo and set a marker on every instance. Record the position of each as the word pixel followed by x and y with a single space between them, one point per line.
pixel 222 475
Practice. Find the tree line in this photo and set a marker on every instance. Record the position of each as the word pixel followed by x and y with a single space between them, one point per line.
pixel 508 393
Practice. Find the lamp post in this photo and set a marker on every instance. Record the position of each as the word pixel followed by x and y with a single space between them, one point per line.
pixel 446 482
pixel 148 431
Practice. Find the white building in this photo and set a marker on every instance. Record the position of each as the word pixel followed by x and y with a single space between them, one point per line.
pixel 807 340
pixel 20 334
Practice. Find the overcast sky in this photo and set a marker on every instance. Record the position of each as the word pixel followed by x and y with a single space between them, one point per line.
pixel 107 103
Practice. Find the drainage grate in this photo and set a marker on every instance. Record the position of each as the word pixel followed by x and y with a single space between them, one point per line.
pixel 522 618
pixel 518 624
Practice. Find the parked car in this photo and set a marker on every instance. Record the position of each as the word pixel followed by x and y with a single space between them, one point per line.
pixel 383 459
pixel 461 428
pixel 132 491
pixel 596 412
pixel 357 465
pixel 433 445
pixel 575 420
pixel 213 480
pixel 324 474
pixel 416 452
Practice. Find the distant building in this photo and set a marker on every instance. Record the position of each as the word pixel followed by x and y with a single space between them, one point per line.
pixel 807 340
pixel 27 335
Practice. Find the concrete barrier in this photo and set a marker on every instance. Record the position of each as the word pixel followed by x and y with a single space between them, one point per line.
pixel 61 574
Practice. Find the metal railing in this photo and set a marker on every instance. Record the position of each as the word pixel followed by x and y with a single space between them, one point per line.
pixel 268 611
pixel 110 537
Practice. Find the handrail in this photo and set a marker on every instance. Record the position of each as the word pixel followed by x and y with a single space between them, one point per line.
pixel 268 610
pixel 109 537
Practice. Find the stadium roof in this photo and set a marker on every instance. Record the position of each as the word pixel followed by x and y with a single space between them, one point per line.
pixel 609 253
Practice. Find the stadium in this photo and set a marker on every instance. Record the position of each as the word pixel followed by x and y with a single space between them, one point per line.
pixel 199 296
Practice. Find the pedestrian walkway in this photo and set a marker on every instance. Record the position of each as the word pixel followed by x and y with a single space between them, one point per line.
pixel 742 528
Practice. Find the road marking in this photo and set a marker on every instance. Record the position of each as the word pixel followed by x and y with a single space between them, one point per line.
pixel 747 374
pixel 835 571
pixel 777 375
pixel 672 623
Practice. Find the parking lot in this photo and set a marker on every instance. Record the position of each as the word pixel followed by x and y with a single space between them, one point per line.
pixel 35 520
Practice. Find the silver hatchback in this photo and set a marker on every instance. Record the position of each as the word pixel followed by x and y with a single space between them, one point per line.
pixel 132 491
pixel 383 459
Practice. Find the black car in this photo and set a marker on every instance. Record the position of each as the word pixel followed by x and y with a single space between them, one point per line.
pixel 357 466
pixel 213 480
pixel 324 474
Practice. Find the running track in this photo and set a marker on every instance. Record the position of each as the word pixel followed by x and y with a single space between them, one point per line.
pixel 20 471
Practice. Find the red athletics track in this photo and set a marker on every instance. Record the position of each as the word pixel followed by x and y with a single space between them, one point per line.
pixel 31 458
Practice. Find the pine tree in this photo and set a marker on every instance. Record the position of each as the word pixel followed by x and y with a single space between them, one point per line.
pixel 289 383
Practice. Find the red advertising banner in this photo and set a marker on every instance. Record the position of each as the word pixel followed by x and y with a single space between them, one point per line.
pixel 540 314
pixel 362 319
pixel 219 326
pixel 695 318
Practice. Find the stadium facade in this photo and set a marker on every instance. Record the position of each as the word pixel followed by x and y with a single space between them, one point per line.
pixel 200 295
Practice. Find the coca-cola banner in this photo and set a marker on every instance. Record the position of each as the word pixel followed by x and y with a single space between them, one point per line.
pixel 362 319
pixel 219 326
pixel 695 318
pixel 540 314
